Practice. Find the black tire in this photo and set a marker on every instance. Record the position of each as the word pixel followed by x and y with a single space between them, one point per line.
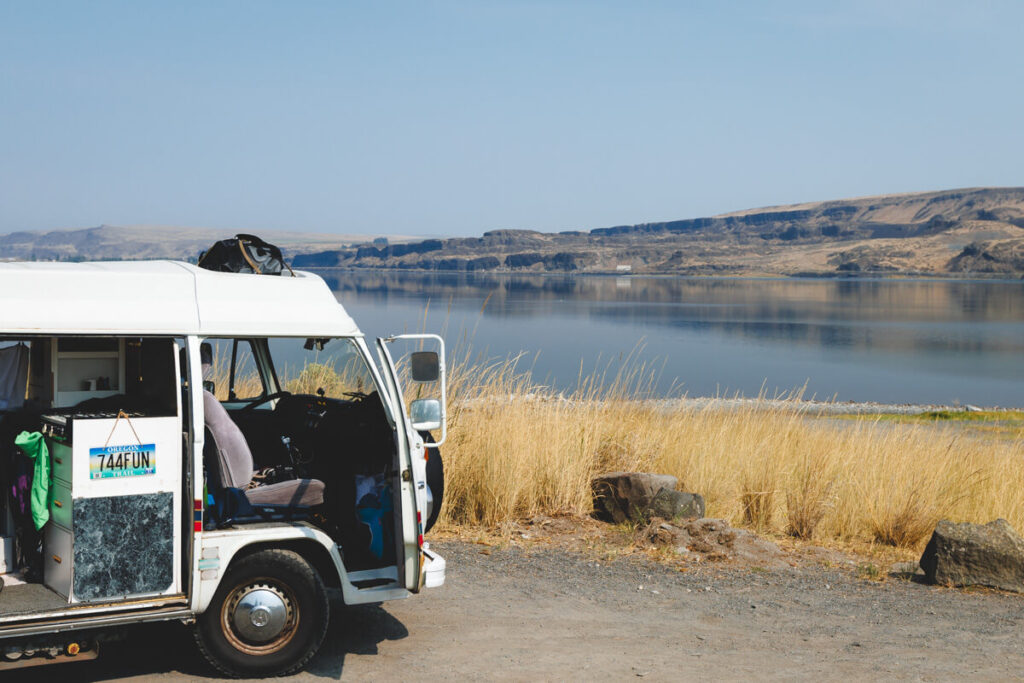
pixel 285 575
pixel 435 479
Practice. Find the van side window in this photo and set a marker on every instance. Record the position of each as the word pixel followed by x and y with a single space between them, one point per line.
pixel 233 371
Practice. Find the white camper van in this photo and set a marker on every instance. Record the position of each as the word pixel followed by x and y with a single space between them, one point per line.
pixel 215 448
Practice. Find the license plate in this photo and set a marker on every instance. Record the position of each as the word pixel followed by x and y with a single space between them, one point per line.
pixel 110 462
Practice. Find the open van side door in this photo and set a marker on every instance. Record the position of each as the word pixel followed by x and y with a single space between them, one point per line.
pixel 412 523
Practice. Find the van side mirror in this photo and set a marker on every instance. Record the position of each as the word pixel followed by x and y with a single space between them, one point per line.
pixel 425 366
pixel 425 414
pixel 208 385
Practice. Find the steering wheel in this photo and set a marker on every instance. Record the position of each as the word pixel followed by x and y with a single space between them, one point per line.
pixel 266 399
pixel 357 395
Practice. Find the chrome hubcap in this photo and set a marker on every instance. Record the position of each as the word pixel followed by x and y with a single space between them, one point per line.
pixel 260 614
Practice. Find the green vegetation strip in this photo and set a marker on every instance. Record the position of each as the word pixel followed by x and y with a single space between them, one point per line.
pixel 1004 417
pixel 1002 422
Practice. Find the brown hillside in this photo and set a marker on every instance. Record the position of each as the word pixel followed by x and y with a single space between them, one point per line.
pixel 918 233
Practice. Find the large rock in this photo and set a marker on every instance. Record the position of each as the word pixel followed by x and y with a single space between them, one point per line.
pixel 639 496
pixel 975 555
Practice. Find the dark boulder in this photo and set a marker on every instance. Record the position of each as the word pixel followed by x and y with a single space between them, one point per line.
pixel 639 496
pixel 975 555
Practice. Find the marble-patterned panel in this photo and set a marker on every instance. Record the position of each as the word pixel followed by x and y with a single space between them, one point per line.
pixel 124 545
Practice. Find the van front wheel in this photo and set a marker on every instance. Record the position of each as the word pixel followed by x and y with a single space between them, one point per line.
pixel 267 618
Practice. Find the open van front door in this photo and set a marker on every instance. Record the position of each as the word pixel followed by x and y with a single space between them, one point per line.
pixel 412 523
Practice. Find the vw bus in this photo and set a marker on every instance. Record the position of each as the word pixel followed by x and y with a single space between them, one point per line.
pixel 215 448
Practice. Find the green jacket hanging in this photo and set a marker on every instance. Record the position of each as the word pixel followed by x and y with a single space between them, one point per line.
pixel 33 445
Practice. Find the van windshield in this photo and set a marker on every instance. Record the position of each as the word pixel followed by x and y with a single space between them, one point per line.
pixel 334 368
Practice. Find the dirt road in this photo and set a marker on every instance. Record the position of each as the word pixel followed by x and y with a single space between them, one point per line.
pixel 555 615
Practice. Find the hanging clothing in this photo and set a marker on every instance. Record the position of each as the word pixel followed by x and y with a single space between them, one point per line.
pixel 13 376
pixel 373 507
pixel 33 445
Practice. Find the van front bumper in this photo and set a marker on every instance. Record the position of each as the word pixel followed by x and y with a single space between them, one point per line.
pixel 432 573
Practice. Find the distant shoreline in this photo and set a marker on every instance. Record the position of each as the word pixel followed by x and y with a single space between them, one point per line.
pixel 835 408
pixel 807 406
pixel 863 277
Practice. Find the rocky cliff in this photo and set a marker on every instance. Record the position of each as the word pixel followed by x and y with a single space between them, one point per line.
pixel 925 233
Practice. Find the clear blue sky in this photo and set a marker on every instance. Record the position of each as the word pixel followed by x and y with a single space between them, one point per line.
pixel 463 116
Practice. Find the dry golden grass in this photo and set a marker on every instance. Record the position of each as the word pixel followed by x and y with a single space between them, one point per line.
pixel 517 449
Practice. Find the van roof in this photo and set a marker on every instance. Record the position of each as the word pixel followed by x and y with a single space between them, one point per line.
pixel 165 297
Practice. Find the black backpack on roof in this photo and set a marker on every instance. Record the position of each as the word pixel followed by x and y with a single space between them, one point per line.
pixel 244 254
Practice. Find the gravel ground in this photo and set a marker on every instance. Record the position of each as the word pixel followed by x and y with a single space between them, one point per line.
pixel 549 614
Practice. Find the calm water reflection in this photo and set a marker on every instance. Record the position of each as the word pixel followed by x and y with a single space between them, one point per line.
pixel 890 341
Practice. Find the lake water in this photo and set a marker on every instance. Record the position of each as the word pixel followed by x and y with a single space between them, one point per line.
pixel 892 341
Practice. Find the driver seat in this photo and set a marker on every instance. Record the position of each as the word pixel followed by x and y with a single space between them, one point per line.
pixel 233 464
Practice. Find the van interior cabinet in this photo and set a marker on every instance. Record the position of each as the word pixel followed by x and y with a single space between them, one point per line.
pixel 114 506
pixel 86 368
